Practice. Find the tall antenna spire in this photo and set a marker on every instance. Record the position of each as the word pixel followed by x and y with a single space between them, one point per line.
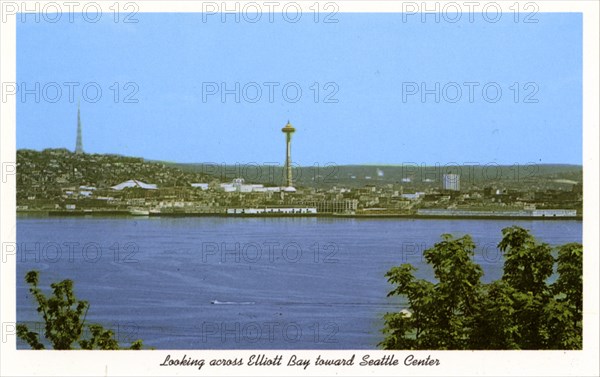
pixel 79 143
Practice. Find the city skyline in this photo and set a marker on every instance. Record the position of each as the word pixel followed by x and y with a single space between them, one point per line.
pixel 177 119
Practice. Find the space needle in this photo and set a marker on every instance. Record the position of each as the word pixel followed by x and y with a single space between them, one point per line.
pixel 288 130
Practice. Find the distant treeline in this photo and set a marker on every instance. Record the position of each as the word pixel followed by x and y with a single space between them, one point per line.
pixel 546 176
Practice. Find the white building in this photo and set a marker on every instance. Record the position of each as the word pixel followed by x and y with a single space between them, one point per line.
pixel 239 185
pixel 414 196
pixel 274 211
pixel 451 182
pixel 228 187
pixel 134 183
pixel 554 212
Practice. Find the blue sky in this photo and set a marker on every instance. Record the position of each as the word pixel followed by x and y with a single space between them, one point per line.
pixel 370 58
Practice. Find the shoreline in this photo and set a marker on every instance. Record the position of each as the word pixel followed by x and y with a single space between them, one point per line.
pixel 124 213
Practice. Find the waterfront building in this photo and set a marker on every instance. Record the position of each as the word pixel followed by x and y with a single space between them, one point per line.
pixel 273 211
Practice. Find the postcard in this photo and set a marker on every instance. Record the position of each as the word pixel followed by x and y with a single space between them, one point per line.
pixel 299 188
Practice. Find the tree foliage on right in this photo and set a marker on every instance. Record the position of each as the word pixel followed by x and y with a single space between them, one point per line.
pixel 522 310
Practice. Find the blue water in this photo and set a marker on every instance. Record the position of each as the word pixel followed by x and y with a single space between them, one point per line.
pixel 252 283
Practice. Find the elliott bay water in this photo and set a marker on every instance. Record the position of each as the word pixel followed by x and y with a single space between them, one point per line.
pixel 245 283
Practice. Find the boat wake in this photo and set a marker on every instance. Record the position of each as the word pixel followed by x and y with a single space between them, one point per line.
pixel 217 302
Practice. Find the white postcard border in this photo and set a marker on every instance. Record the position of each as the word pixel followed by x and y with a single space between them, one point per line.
pixel 454 363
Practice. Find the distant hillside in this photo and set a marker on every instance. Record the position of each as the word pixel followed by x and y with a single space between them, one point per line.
pixel 531 176
pixel 53 169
